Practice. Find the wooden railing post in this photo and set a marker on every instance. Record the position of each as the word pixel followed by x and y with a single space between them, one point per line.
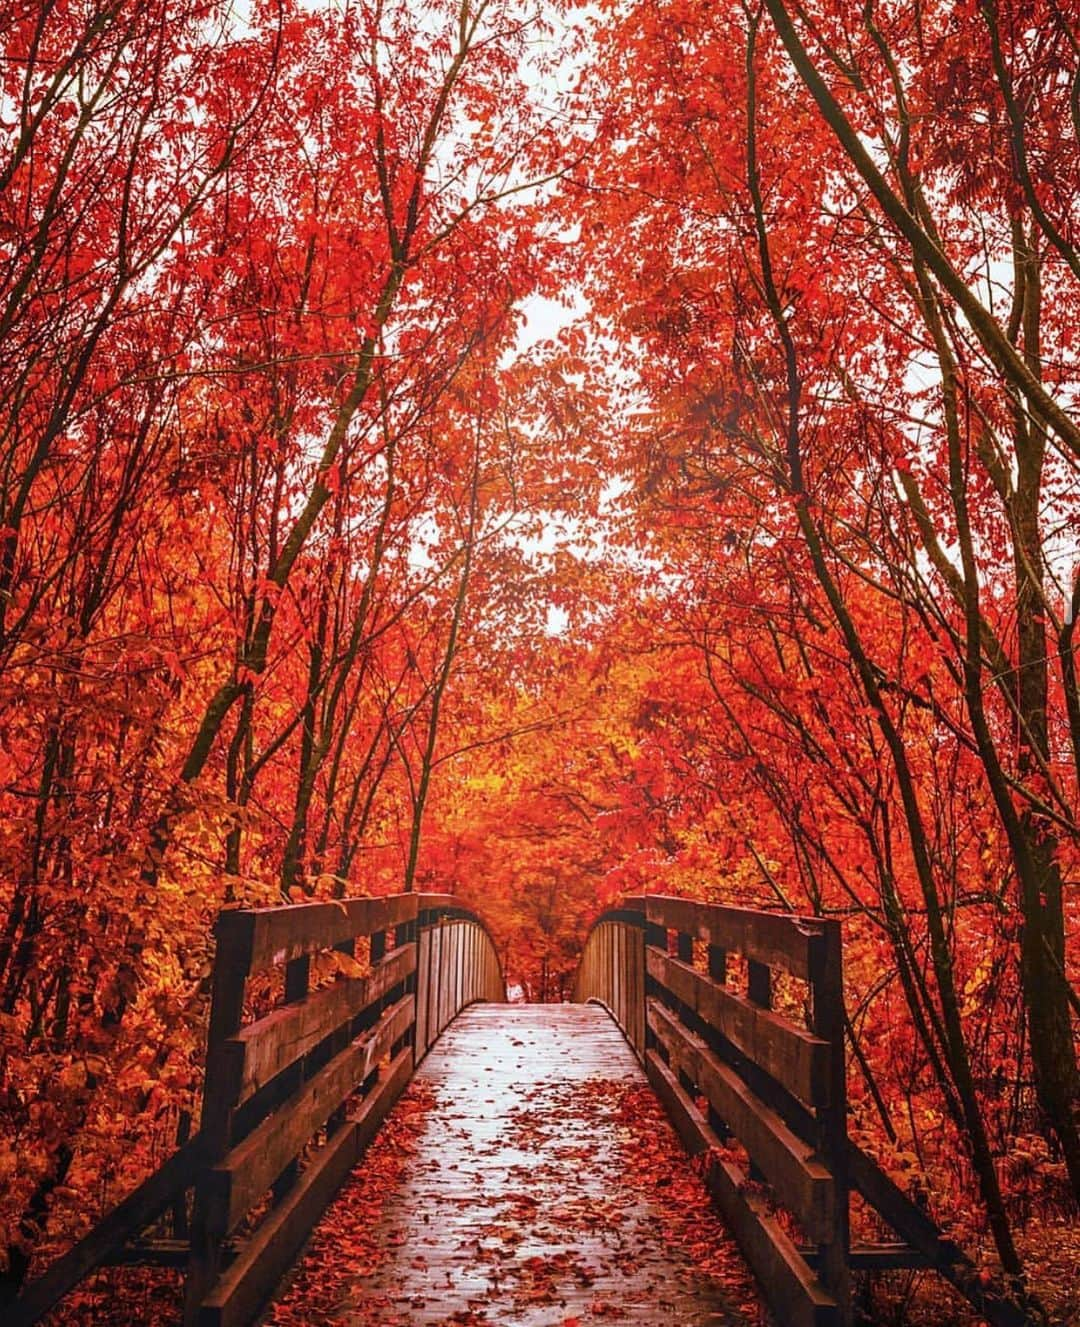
pixel 827 1021
pixel 232 964
pixel 297 979
pixel 655 937
pixel 341 1039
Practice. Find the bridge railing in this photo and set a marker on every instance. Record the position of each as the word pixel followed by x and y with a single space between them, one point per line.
pixel 457 964
pixel 738 1018
pixel 612 969
pixel 277 1085
pixel 665 968
pixel 320 1012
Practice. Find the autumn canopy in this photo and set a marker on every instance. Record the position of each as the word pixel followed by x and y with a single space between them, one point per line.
pixel 541 455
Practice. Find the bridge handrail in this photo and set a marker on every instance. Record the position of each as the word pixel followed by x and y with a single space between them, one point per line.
pixel 611 970
pixel 293 1092
pixel 663 968
pixel 429 957
pixel 457 963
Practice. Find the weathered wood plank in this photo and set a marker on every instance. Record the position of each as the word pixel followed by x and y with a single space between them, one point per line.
pixel 237 1183
pixel 776 939
pixel 151 1253
pixel 270 1045
pixel 800 1182
pixel 280 934
pixel 436 902
pixel 793 1057
pixel 434 991
pixel 423 986
pixel 875 1258
pixel 260 1264
pixel 830 1139
pixel 518 1168
pixel 127 1218
pixel 796 1296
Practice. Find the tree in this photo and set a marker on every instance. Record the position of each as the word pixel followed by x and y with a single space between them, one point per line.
pixel 831 406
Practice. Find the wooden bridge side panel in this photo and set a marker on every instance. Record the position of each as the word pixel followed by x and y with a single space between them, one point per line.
pixel 271 1044
pixel 435 970
pixel 611 971
pixel 256 1090
pixel 753 1066
pixel 250 1168
pixel 772 938
pixel 457 965
pixel 259 1266
pixel 796 1059
pixel 232 962
pixel 280 934
pixel 793 1291
pixel 801 1182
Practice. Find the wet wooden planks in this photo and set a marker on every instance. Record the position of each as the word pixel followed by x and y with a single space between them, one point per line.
pixel 515 1209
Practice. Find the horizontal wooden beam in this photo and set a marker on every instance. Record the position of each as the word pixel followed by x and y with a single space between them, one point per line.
pixel 267 1047
pixel 912 1224
pixel 875 1257
pixel 151 1253
pixel 794 1293
pixel 279 934
pixel 777 939
pixel 259 1265
pixel 801 1183
pixel 795 1058
pixel 437 902
pixel 240 1181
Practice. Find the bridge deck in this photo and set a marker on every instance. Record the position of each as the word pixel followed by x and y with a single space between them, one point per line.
pixel 517 1206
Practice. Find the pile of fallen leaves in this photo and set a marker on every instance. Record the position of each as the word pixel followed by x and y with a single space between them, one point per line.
pixel 123 1297
pixel 344 1245
pixel 654 1157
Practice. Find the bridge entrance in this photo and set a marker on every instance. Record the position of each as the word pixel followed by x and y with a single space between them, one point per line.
pixel 322 1013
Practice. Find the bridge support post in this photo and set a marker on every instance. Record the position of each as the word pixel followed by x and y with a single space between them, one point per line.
pixel 827 985
pixel 231 965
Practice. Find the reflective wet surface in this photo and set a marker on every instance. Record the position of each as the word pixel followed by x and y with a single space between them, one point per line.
pixel 517 1206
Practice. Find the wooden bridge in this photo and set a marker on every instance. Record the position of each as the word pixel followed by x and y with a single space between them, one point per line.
pixel 322 1013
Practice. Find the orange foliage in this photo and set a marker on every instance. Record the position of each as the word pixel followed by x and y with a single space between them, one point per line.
pixel 754 582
